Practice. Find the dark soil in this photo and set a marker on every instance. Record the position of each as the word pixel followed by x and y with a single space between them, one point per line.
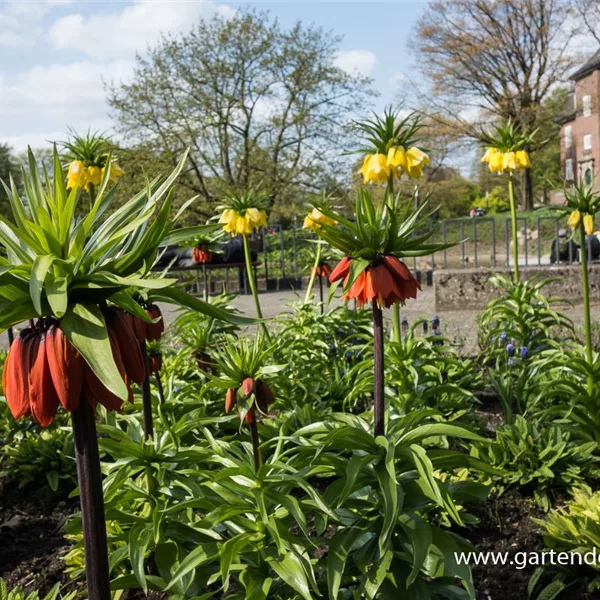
pixel 31 539
pixel 506 526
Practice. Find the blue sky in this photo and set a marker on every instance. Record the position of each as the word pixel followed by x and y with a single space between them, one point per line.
pixel 54 55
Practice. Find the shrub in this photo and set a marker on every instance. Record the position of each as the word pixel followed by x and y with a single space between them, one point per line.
pixel 495 202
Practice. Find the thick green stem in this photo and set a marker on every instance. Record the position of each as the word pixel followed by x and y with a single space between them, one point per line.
pixel 311 281
pixel 255 442
pixel 396 329
pixel 513 218
pixel 252 283
pixel 587 322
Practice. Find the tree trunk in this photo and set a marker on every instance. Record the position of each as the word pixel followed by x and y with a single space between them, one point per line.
pixel 527 190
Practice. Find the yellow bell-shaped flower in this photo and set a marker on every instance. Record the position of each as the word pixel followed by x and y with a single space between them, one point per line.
pixel 375 168
pixel 77 175
pixel 315 219
pixel 415 162
pixel 574 219
pixel 588 224
pixel 94 177
pixel 229 221
pixel 115 172
pixel 488 154
pixel 497 162
pixel 509 161
pixel 396 158
pixel 522 159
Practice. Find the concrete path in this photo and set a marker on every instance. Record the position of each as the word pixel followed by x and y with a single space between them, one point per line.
pixel 459 326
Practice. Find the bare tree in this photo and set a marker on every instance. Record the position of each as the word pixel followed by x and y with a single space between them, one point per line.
pixel 256 103
pixel 501 58
pixel 589 12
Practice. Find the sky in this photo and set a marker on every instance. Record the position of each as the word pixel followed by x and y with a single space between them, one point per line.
pixel 55 55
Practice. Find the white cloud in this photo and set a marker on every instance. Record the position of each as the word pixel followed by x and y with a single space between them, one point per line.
pixel 20 23
pixel 132 28
pixel 355 61
pixel 36 139
pixel 59 96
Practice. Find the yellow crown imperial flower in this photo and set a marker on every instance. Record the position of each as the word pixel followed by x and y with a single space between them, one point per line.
pixel 396 158
pixel 415 161
pixel 315 219
pixel 115 172
pixel 497 162
pixel 257 218
pixel 509 161
pixel 522 159
pixel 588 224
pixel 229 220
pixel 77 175
pixel 94 177
pixel 375 168
pixel 574 219
pixel 488 154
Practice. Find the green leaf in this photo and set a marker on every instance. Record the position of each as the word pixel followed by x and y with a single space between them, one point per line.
pixel 378 573
pixel 419 532
pixel 56 292
pixel 198 556
pixel 339 549
pixel 139 538
pixel 290 569
pixel 256 584
pixel 39 270
pixel 52 477
pixel 85 328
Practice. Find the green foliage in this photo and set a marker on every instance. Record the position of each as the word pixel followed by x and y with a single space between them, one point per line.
pixel 40 460
pixel 427 371
pixel 537 458
pixel 17 593
pixel 574 529
pixel 523 316
pixel 495 202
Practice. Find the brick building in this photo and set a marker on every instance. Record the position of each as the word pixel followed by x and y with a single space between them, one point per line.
pixel 580 126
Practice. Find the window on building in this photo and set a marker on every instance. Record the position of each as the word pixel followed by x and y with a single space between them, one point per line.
pixel 568 136
pixel 587 106
pixel 587 141
pixel 588 177
pixel 569 169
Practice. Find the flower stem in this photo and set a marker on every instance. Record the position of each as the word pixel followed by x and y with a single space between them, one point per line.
pixel 513 218
pixel 586 305
pixel 311 281
pixel 255 442
pixel 146 396
pixel 378 364
pixel 396 329
pixel 92 501
pixel 159 385
pixel 253 285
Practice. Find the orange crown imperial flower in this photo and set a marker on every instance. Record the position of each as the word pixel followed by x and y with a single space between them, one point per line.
pixel 386 281
pixel 44 370
pixel 201 254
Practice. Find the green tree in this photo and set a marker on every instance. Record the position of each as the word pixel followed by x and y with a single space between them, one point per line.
pixel 500 59
pixel 256 103
pixel 8 166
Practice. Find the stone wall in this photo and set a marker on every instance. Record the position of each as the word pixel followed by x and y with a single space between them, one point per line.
pixel 470 289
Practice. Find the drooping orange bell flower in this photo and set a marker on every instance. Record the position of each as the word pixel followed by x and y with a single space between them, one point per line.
pixel 386 281
pixel 230 400
pixel 201 254
pixel 15 377
pixel 121 326
pixel 323 270
pixel 155 362
pixel 66 368
pixel 43 370
pixel 154 330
